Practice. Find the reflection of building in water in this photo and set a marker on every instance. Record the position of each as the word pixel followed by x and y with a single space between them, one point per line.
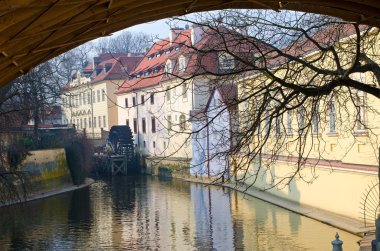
pixel 160 219
pixel 213 218
pixel 267 227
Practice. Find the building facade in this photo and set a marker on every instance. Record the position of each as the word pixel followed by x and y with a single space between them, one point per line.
pixel 89 100
pixel 324 155
pixel 213 131
pixel 157 98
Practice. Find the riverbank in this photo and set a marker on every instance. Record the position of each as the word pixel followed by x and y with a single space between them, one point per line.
pixel 50 193
pixel 342 222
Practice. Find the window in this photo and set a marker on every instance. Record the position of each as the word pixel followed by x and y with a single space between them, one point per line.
pixel 76 100
pixel 158 55
pixel 134 125
pixel 301 120
pixel 127 122
pixel 153 124
pixel 85 122
pixel 100 121
pixel 332 116
pixel 89 97
pixel 152 98
pixel 226 61
pixel 134 101
pixel 143 125
pixel 142 99
pixel 104 121
pixel 169 119
pixel 181 64
pixel 84 98
pixel 315 121
pixel 146 73
pixel 98 95
pixel 124 69
pixel 103 95
pixel 144 144
pixel 80 98
pixel 126 102
pixel 278 126
pixel 182 122
pixel 360 120
pixel 93 100
pixel 89 122
pixel 289 123
pixel 94 122
pixel 168 93
pixel 81 123
pixel 168 67
pixel 184 91
pixel 154 144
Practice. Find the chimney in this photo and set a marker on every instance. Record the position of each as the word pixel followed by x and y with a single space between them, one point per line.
pixel 174 33
pixel 196 34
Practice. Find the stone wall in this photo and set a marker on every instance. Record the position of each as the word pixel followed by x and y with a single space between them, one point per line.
pixel 168 167
pixel 46 170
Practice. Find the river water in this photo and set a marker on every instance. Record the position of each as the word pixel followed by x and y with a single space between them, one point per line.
pixel 148 213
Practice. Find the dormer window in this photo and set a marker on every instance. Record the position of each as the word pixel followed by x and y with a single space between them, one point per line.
pixel 226 61
pixel 167 52
pixel 150 57
pixel 181 64
pixel 138 75
pixel 124 69
pixel 168 66
pixel 158 55
pixel 155 70
pixel 176 48
pixel 130 77
pixel 146 73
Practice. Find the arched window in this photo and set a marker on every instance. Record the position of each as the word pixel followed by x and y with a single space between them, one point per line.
pixel 360 118
pixel 332 115
pixel 169 67
pixel 226 61
pixel 181 64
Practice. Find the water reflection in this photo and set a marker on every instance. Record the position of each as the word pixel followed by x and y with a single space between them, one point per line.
pixel 144 213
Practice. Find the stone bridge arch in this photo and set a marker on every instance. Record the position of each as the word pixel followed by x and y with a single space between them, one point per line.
pixel 33 31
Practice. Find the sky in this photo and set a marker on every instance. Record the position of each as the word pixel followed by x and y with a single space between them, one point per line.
pixel 158 28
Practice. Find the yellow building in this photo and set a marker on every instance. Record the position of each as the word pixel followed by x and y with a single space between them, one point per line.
pixel 89 100
pixel 319 152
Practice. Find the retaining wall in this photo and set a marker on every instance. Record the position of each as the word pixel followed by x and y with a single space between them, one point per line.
pixel 46 170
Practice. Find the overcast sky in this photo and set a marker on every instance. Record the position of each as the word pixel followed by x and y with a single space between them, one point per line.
pixel 156 28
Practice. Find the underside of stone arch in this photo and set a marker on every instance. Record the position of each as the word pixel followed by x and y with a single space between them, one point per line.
pixel 33 31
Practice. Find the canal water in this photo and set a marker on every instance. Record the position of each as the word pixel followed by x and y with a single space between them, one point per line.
pixel 148 213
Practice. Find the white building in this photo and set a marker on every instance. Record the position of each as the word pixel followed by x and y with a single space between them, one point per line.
pixel 89 100
pixel 156 100
pixel 213 129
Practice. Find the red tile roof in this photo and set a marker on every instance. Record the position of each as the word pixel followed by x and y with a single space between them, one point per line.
pixel 201 58
pixel 119 68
